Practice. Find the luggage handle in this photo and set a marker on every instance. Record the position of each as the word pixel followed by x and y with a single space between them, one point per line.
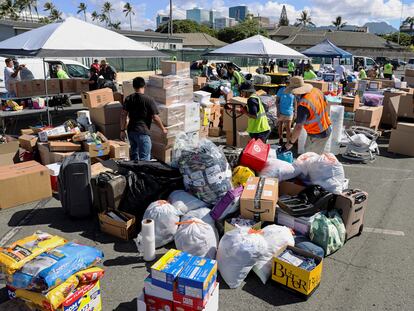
pixel 358 209
pixel 360 198
pixel 356 221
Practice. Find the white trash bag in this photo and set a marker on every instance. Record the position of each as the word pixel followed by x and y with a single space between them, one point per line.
pixel 239 250
pixel 185 201
pixel 276 237
pixel 197 238
pixel 276 168
pixel 165 218
pixel 202 213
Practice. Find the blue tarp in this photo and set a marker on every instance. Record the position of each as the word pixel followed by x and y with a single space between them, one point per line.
pixel 326 49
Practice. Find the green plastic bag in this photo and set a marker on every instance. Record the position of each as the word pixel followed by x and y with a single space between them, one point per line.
pixel 328 232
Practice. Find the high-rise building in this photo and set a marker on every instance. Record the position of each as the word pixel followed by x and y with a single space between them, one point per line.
pixel 162 19
pixel 200 16
pixel 213 15
pixel 238 12
pixel 223 22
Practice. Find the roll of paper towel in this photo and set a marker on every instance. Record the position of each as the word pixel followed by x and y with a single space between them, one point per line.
pixel 148 239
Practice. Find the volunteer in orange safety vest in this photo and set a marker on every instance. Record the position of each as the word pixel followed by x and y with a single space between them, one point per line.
pixel 312 115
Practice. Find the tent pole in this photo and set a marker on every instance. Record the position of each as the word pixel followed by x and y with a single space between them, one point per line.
pixel 47 97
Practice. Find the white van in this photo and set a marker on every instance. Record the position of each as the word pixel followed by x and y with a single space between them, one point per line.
pixel 367 62
pixel 73 68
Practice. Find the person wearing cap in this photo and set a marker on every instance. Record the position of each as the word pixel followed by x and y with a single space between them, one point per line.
pixel 312 116
pixel 257 124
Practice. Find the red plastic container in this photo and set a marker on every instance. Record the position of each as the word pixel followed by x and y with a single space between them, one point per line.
pixel 255 155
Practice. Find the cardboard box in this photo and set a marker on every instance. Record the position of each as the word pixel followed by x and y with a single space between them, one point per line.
pixel 214 132
pixel 118 150
pixel 23 88
pixel 239 100
pixel 26 131
pixel 322 85
pixel 265 208
pixel 52 133
pixel 188 303
pixel 53 86
pixel 108 113
pixel 197 277
pixel 409 72
pixel 119 97
pixel 350 103
pixel 369 115
pixel 49 157
pixel 241 121
pixel 8 152
pixel 156 291
pixel 28 142
pixel 200 81
pixel 293 277
pixel 23 183
pixel 171 115
pixel 201 97
pixel 81 85
pixel 175 68
pixel 410 81
pixel 161 152
pixel 169 96
pixel 408 90
pixel 242 139
pixel 160 137
pixel 98 168
pixel 391 104
pixel 110 131
pixel 401 140
pixel 166 270
pixel 38 87
pixel 127 88
pixel 64 146
pixel 125 230
pixel 96 150
pixel 98 97
pixel 406 106
pixel 167 82
pixel 68 86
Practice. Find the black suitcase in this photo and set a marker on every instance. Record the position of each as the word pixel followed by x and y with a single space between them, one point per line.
pixel 108 191
pixel 351 205
pixel 75 189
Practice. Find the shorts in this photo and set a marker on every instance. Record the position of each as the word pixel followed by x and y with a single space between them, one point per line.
pixel 283 118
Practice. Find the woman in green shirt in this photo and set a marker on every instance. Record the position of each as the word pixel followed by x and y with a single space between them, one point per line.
pixel 362 74
pixel 309 74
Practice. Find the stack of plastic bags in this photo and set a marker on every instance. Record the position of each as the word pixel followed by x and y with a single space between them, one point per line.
pixel 44 270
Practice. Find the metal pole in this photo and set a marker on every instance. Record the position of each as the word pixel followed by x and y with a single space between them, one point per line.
pixel 46 92
pixel 171 19
pixel 399 26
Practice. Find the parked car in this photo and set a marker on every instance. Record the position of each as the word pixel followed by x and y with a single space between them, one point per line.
pixel 410 63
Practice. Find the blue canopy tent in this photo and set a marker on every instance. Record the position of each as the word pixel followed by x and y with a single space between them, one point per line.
pixel 326 49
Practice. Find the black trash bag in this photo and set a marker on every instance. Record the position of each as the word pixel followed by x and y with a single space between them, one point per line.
pixel 147 181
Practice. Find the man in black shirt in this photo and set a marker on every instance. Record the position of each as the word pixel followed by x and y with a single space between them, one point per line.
pixel 107 71
pixel 141 110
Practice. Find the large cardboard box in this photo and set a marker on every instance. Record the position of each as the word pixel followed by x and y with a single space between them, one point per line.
pixel 53 86
pixel 64 146
pixel 410 81
pixel 322 85
pixel 402 139
pixel 263 208
pixel 241 121
pixel 28 142
pixel 96 150
pixel 369 115
pixel 119 97
pixel 170 96
pixel 23 183
pixel 118 150
pixel 127 88
pixel 171 115
pixel 175 68
pixel 406 106
pixel 242 139
pixel 81 85
pixel 98 97
pixel 161 152
pixel 200 81
pixel 49 157
pixel 391 104
pixel 123 229
pixel 68 86
pixel 23 88
pixel 108 113
pixel 409 72
pixel 350 103
pixel 167 82
pixel 7 152
pixel 294 277
pixel 38 87
pixel 214 132
pixel 158 136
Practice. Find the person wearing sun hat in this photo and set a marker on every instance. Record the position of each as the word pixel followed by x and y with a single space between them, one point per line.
pixel 257 124
pixel 312 115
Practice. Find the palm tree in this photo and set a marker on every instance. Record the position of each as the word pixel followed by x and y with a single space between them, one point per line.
pixel 304 19
pixel 55 15
pixel 9 9
pixel 94 16
pixel 103 18
pixel 107 9
pixel 116 25
pixel 24 6
pixel 338 23
pixel 48 6
pixel 128 11
pixel 34 4
pixel 409 21
pixel 82 8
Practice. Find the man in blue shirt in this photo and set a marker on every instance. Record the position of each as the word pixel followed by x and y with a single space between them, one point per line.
pixel 286 106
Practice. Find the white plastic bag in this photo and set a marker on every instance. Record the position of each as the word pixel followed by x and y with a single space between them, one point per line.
pixel 305 161
pixel 239 250
pixel 276 237
pixel 165 217
pixel 202 213
pixel 197 238
pixel 276 168
pixel 185 201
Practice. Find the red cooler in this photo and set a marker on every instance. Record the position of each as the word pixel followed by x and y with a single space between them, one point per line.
pixel 255 155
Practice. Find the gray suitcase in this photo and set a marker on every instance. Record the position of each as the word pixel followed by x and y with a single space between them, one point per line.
pixel 108 191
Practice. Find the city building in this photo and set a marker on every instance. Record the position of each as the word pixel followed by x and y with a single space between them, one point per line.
pixel 238 12
pixel 223 22
pixel 263 21
pixel 213 16
pixel 162 19
pixel 198 15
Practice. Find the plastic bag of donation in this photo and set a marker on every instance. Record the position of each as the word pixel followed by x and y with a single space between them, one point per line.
pixel 185 201
pixel 205 171
pixel 276 237
pixel 165 218
pixel 239 250
pixel 324 170
pixel 202 213
pixel 276 168
pixel 197 238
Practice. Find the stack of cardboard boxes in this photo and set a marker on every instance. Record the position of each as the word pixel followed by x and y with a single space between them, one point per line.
pixel 29 88
pixel 182 282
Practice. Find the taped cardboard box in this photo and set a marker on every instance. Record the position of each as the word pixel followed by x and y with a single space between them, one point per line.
pixel 49 157
pixel 293 277
pixel 350 103
pixel 175 68
pixel 171 115
pixel 28 181
pixel 119 97
pixel 401 140
pixel 200 81
pixel 159 135
pixel 170 96
pixel 98 97
pixel 8 152
pixel 108 113
pixel 68 86
pixel 321 85
pixel 406 106
pixel 168 82
pixel 369 115
pixel 122 225
pixel 96 150
pixel 262 208
pixel 118 150
pixel 64 146
pixel 28 142
pixel 391 104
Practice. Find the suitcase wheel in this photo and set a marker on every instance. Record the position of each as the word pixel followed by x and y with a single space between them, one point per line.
pixel 361 229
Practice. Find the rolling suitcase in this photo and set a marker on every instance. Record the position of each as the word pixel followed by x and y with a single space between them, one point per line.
pixel 351 205
pixel 75 189
pixel 108 191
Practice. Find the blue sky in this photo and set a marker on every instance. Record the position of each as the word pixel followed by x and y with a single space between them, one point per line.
pixel 321 11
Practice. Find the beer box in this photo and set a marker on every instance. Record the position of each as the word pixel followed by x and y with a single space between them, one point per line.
pixel 293 277
pixel 166 270
pixel 197 277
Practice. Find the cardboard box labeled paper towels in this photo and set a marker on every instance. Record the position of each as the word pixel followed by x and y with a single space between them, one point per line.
pixel 259 199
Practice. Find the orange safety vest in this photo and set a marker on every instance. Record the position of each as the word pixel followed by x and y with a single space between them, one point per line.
pixel 318 120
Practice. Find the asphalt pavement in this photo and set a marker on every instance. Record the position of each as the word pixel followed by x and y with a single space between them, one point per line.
pixel 371 272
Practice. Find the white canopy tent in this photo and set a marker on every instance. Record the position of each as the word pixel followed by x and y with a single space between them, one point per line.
pixel 257 47
pixel 74 38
